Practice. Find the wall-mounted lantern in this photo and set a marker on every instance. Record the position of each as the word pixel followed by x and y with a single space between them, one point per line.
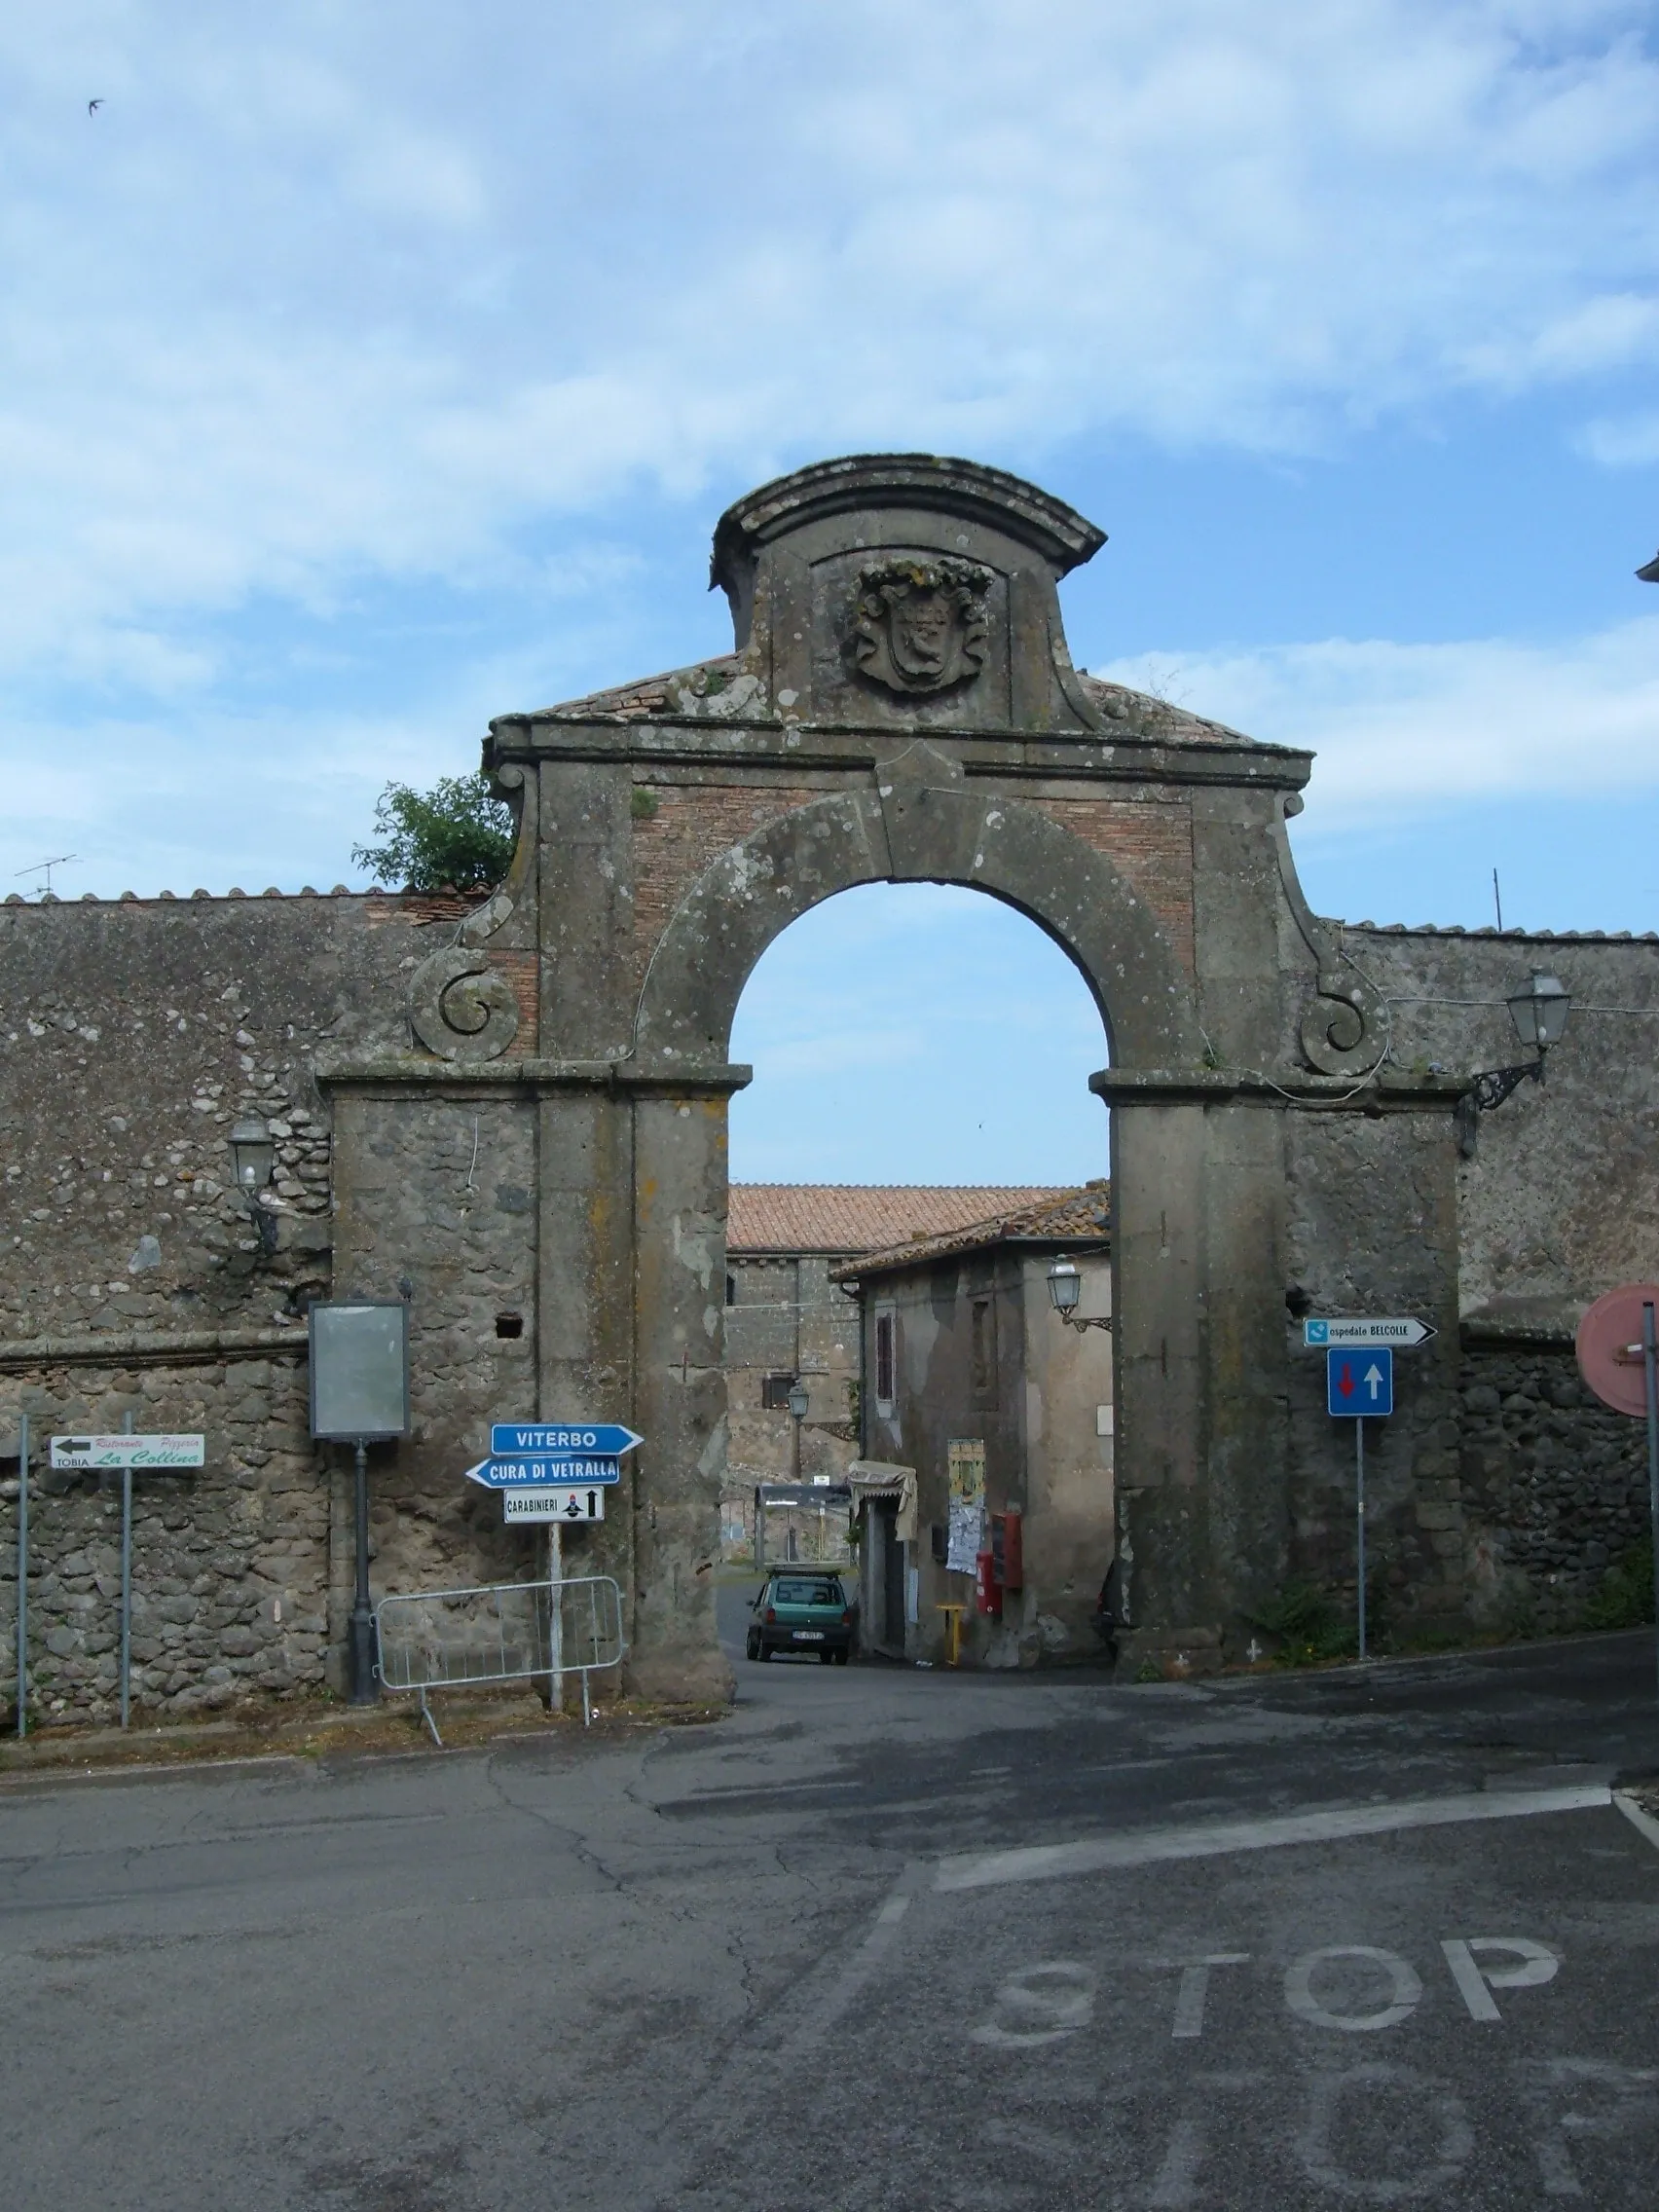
pixel 253 1162
pixel 798 1403
pixel 1539 1010
pixel 1065 1292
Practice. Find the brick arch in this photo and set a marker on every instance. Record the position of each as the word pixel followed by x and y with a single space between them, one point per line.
pixel 923 826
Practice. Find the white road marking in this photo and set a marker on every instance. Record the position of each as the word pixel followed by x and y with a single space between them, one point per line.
pixel 1147 1847
pixel 1177 2183
pixel 1391 2082
pixel 1643 1823
pixel 1194 1987
pixel 1468 1975
pixel 1053 2001
pixel 826 2010
pixel 1626 2102
pixel 1402 1978
pixel 1538 1964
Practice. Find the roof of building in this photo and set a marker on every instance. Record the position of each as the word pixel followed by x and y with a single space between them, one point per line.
pixel 853 1218
pixel 1081 1216
pixel 724 689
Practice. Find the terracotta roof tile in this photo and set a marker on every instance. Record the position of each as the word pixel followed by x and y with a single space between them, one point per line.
pixel 1082 1215
pixel 1138 713
pixel 854 1218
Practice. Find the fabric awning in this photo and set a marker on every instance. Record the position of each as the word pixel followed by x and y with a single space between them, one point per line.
pixel 885 1478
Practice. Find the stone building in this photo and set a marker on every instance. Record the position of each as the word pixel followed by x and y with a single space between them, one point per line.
pixel 975 1382
pixel 786 1318
pixel 514 1116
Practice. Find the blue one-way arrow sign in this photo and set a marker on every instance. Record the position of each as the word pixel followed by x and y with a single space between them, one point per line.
pixel 561 1440
pixel 1361 1383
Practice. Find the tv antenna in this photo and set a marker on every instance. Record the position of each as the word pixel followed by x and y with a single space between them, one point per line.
pixel 44 867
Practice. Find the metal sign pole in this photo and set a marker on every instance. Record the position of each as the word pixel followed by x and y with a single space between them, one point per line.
pixel 363 1687
pixel 556 1615
pixel 1359 1487
pixel 126 1582
pixel 22 1574
pixel 1650 1362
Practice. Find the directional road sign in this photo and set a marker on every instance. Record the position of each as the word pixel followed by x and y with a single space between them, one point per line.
pixel 1397 1329
pixel 129 1450
pixel 553 1506
pixel 545 1474
pixel 1360 1382
pixel 561 1440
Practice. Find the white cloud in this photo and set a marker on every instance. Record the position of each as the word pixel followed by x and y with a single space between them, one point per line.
pixel 1400 728
pixel 322 293
pixel 1623 441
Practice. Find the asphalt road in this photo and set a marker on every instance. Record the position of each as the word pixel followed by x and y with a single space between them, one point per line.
pixel 880 1939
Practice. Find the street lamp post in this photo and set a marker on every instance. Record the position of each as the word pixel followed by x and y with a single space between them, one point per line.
pixel 1539 1010
pixel 798 1404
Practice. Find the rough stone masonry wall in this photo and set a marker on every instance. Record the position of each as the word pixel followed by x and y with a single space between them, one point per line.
pixel 1553 1487
pixel 230 1565
pixel 132 1033
pixel 1501 1492
pixel 1560 1201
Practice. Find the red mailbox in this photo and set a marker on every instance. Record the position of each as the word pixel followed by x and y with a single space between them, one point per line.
pixel 1007 1549
pixel 986 1585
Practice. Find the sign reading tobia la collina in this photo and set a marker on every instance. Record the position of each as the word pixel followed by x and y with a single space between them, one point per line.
pixel 1338 1332
pixel 561 1440
pixel 139 1452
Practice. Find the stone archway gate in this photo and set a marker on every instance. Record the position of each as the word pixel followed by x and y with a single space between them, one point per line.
pixel 901 706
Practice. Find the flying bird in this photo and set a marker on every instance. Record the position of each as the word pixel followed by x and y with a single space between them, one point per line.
pixel 93 106
pixel 1650 573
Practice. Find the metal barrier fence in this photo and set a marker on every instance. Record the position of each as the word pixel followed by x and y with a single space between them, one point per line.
pixel 501 1631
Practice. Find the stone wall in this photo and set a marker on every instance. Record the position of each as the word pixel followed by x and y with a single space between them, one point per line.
pixel 1484 1510
pixel 786 1318
pixel 1560 1201
pixel 230 1565
pixel 1553 1486
pixel 133 1034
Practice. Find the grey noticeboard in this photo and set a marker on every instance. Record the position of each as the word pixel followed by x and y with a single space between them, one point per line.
pixel 360 1368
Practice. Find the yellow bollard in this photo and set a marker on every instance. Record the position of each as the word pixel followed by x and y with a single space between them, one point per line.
pixel 952 1632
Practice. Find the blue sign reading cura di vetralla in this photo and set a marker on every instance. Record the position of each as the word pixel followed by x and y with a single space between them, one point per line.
pixel 545 1474
pixel 561 1440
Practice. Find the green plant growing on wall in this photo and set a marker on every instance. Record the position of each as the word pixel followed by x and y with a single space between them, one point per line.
pixel 1308 1625
pixel 458 834
pixel 1625 1598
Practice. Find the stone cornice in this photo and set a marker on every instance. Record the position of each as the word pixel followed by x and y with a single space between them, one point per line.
pixel 149 1348
pixel 1391 1090
pixel 1112 756
pixel 398 1073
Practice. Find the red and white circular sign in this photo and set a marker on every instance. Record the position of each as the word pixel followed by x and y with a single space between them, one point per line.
pixel 1610 1346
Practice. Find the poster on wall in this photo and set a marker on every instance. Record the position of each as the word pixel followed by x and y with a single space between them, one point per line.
pixel 964 1458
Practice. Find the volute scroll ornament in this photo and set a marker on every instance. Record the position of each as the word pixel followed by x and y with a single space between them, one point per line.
pixel 1344 1030
pixel 921 625
pixel 460 1007
pixel 1345 1027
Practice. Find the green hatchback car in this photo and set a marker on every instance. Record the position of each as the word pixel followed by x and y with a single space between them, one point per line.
pixel 801 1610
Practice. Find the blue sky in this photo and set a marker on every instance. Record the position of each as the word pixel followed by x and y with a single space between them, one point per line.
pixel 368 371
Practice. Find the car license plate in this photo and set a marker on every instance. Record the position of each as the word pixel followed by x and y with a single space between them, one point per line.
pixel 807 1635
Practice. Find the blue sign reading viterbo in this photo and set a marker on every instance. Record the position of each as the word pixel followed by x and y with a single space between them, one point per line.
pixel 561 1440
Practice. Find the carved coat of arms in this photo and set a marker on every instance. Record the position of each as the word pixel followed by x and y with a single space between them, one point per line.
pixel 920 625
